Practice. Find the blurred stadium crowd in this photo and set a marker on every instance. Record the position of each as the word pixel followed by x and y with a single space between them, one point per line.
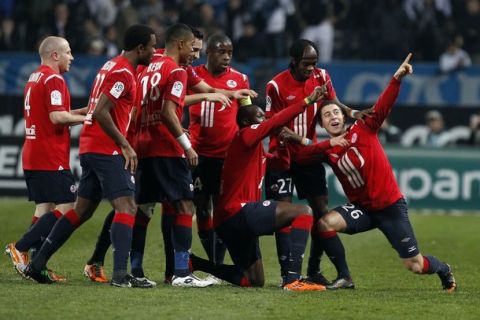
pixel 343 29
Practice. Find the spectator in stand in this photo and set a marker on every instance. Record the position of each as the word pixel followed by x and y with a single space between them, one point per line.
pixel 8 35
pixel 454 57
pixel 469 26
pixel 389 133
pixel 250 44
pixel 474 139
pixel 436 137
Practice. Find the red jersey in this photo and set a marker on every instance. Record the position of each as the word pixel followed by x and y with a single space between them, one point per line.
pixel 116 80
pixel 212 124
pixel 47 145
pixel 363 168
pixel 283 91
pixel 162 80
pixel 244 166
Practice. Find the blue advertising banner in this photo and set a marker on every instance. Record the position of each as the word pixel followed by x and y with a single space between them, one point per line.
pixel 356 83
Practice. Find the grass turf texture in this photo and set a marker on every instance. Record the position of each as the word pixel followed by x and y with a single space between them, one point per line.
pixel 385 290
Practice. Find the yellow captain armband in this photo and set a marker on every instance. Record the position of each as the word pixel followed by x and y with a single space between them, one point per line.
pixel 245 101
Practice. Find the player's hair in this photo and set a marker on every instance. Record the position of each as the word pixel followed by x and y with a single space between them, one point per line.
pixel 136 35
pixel 176 32
pixel 244 113
pixel 217 38
pixel 328 102
pixel 298 48
pixel 197 33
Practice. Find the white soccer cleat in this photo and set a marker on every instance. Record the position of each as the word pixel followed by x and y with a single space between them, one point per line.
pixel 190 281
pixel 214 280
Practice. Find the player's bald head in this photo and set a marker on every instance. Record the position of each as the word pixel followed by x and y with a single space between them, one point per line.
pixel 217 38
pixel 51 44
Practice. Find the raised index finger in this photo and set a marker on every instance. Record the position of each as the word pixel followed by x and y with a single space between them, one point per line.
pixel 407 59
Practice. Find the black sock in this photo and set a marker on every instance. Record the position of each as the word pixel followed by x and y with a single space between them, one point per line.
pixel 316 251
pixel 139 236
pixel 432 265
pixel 121 234
pixel 299 232
pixel 220 249
pixel 38 231
pixel 282 240
pixel 336 252
pixel 229 273
pixel 103 241
pixel 207 240
pixel 182 241
pixel 61 231
pixel 168 217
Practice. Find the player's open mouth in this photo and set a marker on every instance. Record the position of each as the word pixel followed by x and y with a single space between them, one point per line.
pixel 335 123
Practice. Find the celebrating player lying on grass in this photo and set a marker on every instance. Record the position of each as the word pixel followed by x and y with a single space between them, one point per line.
pixel 368 181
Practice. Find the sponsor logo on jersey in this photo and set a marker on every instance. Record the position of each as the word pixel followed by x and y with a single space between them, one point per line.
pixel 117 89
pixel 254 126
pixel 231 83
pixel 30 133
pixel 55 98
pixel 291 97
pixel 177 89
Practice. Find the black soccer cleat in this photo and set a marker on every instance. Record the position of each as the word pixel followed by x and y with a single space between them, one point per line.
pixel 341 283
pixel 448 281
pixel 318 278
pixel 40 276
pixel 130 281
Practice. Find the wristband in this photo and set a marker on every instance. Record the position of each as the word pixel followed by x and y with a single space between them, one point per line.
pixel 354 112
pixel 245 101
pixel 184 142
pixel 306 141
pixel 307 100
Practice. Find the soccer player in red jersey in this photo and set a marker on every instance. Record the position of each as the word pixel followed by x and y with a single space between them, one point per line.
pixel 212 128
pixel 284 90
pixel 165 151
pixel 108 161
pixel 375 200
pixel 240 217
pixel 47 119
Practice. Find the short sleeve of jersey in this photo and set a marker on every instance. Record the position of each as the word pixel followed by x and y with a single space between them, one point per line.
pixel 175 89
pixel 117 84
pixel 192 77
pixel 273 103
pixel 55 94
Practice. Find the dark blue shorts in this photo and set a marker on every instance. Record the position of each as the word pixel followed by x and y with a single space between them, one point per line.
pixel 278 185
pixel 105 176
pixel 240 233
pixel 207 176
pixel 50 186
pixel 393 221
pixel 310 180
pixel 163 179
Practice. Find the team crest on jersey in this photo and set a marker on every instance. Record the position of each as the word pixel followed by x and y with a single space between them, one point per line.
pixel 266 203
pixel 231 83
pixel 56 98
pixel 177 89
pixel 117 89
pixel 354 137
pixel 73 188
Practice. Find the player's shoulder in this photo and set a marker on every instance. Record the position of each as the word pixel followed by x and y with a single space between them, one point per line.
pixel 119 66
pixel 320 75
pixel 280 80
pixel 49 75
pixel 235 73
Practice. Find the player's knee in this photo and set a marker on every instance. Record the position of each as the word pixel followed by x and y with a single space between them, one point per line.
pixel 413 265
pixel 306 210
pixel 147 209
pixel 327 223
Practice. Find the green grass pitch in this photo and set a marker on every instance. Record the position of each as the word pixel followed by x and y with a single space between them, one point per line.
pixel 385 290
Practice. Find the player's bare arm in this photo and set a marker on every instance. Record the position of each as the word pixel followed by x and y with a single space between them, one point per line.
pixel 213 97
pixel 102 115
pixel 81 111
pixel 171 121
pixel 66 118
